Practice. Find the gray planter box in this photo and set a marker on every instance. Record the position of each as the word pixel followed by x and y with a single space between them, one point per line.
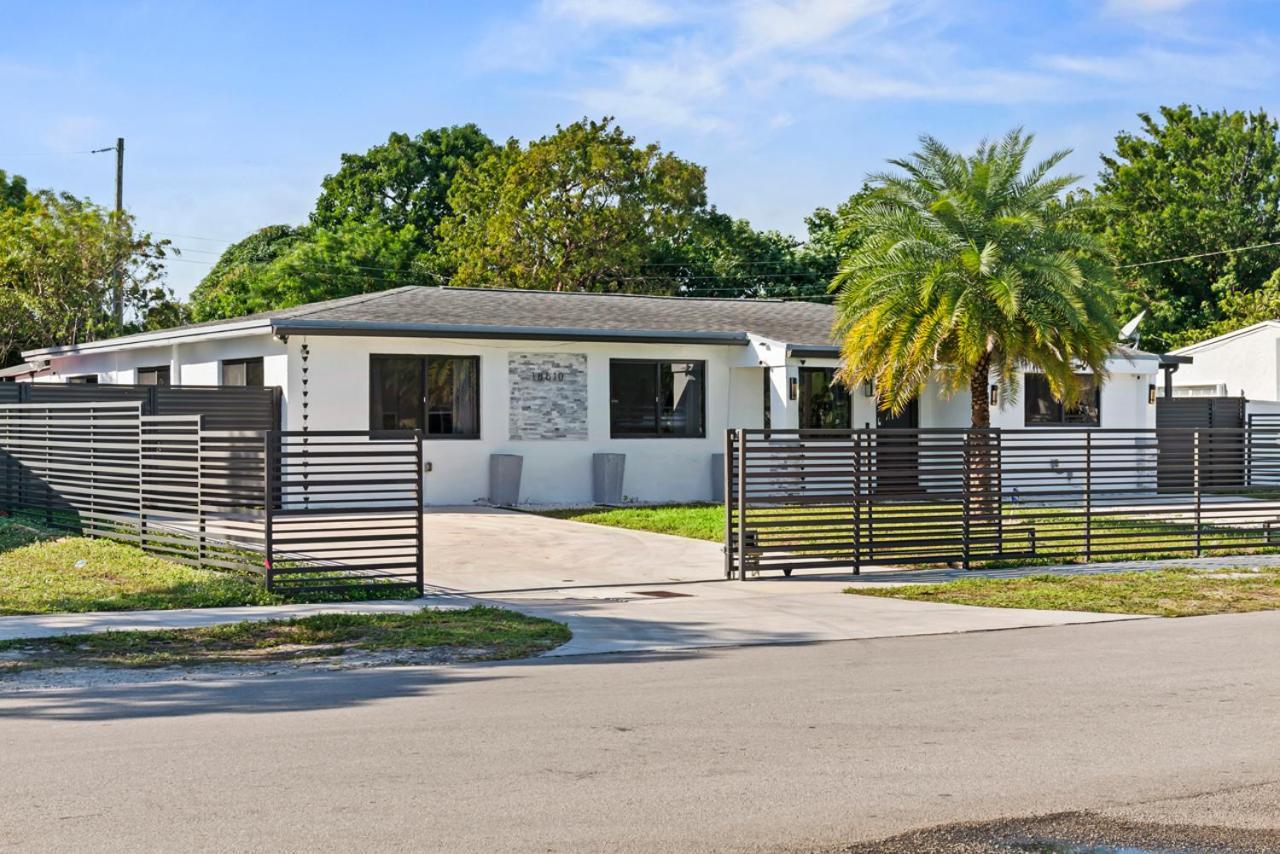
pixel 717 477
pixel 606 477
pixel 504 479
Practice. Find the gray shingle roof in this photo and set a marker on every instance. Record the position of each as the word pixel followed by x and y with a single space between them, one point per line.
pixel 793 322
pixel 494 312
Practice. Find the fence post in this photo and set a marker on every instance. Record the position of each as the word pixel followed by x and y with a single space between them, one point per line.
pixel 201 524
pixel 417 442
pixel 742 504
pixel 728 503
pixel 1088 496
pixel 966 501
pixel 857 502
pixel 268 503
pixel 1196 465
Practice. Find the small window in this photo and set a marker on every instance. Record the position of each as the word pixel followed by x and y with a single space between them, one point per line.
pixel 656 399
pixel 246 372
pixel 154 376
pixel 439 395
pixel 84 379
pixel 1042 408
pixel 824 403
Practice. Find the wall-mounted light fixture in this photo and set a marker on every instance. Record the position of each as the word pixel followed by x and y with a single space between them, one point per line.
pixel 793 388
pixel 868 388
pixel 995 395
pixel 1151 394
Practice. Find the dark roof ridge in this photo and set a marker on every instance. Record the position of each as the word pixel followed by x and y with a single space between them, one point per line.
pixel 775 300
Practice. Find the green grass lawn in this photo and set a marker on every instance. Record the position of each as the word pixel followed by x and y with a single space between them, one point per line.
pixel 1166 593
pixel 1060 533
pixel 698 521
pixel 474 634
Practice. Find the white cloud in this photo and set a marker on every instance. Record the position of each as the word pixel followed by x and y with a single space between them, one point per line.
pixel 768 25
pixel 1147 7
pixel 631 13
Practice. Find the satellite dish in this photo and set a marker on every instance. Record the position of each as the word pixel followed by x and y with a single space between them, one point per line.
pixel 1130 329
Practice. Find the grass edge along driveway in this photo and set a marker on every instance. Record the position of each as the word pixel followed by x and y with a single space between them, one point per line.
pixel 479 633
pixel 1177 592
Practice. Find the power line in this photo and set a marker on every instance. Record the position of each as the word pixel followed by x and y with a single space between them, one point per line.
pixel 1200 255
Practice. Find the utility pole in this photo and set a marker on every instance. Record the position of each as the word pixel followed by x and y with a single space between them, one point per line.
pixel 117 304
pixel 117 293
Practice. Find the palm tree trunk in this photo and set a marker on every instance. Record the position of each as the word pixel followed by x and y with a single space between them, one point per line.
pixel 983 504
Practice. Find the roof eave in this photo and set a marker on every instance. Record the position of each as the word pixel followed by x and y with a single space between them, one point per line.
pixel 356 328
pixel 152 339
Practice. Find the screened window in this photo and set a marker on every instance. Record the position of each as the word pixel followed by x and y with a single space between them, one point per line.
pixel 1042 408
pixel 439 395
pixel 824 403
pixel 662 399
pixel 242 371
pixel 153 376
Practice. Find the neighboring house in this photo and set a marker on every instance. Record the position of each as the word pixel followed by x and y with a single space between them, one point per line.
pixel 1242 363
pixel 558 377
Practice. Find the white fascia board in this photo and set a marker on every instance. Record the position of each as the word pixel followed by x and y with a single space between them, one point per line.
pixel 1226 336
pixel 154 339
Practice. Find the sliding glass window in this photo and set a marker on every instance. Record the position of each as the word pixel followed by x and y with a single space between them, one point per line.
pixel 656 399
pixel 439 395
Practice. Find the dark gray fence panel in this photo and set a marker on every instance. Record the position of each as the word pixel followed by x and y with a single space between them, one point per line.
pixel 838 499
pixel 223 407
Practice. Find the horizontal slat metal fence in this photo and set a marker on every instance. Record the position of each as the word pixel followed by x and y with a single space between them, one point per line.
pixel 308 511
pixel 323 485
pixel 223 407
pixel 844 499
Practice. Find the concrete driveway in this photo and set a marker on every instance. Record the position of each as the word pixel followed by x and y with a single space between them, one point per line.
pixel 628 591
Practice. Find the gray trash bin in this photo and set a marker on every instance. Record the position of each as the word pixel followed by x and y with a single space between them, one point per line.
pixel 504 479
pixel 606 478
pixel 717 477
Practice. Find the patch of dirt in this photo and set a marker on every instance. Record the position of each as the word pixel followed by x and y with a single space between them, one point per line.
pixel 244 664
pixel 1072 833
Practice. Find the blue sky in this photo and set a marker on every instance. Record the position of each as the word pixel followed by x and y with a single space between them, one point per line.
pixel 234 111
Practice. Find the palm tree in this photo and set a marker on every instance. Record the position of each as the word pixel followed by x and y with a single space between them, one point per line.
pixel 973 268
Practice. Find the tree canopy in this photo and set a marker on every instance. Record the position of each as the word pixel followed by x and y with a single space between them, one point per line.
pixel 581 209
pixel 971 265
pixel 1192 182
pixel 58 257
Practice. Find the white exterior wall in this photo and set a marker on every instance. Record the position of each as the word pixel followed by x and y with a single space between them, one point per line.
pixel 1247 363
pixel 556 471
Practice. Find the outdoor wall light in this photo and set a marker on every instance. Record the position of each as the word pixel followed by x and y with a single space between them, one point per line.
pixel 793 388
pixel 995 395
pixel 1151 394
pixel 868 388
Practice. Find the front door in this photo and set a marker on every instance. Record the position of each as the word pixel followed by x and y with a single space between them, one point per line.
pixel 824 402
pixel 898 454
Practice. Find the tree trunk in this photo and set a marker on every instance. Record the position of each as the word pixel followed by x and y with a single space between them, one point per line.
pixel 982 499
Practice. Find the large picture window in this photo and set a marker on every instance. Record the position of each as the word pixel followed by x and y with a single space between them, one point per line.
pixel 1043 409
pixel 246 372
pixel 656 399
pixel 439 395
pixel 152 376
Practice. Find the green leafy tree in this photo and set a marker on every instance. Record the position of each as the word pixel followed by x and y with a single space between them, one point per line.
pixel 1238 308
pixel 58 257
pixel 581 210
pixel 13 191
pixel 1191 182
pixel 403 182
pixel 971 267
pixel 231 287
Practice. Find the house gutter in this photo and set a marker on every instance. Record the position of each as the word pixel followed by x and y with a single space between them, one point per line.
pixel 366 328
pixel 151 339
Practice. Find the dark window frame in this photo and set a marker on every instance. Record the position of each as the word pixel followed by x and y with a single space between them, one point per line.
pixel 657 410
pixel 246 362
pixel 161 372
pixel 423 378
pixel 83 379
pixel 1060 410
pixel 837 389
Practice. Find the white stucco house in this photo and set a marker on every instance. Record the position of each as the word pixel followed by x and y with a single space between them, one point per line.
pixel 557 378
pixel 1242 363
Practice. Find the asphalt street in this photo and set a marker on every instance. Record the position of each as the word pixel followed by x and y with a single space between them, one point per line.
pixel 796 747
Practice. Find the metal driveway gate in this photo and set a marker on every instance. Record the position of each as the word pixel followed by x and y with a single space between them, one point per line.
pixel 844 499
